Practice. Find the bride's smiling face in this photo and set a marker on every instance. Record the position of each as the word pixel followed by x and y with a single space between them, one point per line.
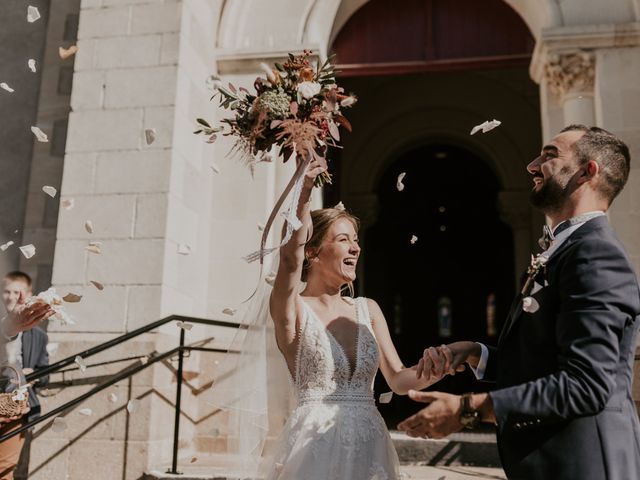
pixel 338 254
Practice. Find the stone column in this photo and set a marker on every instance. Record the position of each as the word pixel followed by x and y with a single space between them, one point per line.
pixel 570 78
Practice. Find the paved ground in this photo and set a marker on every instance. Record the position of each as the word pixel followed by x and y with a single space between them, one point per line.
pixel 453 473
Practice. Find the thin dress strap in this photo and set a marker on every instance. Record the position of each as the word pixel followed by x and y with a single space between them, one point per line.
pixel 363 310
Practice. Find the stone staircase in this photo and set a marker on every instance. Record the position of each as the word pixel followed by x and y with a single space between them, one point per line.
pixel 462 456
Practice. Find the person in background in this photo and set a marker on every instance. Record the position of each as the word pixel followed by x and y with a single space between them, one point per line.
pixel 26 351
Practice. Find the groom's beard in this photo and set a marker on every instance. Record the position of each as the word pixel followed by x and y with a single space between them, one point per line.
pixel 553 193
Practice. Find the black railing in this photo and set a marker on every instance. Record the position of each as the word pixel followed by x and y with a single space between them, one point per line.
pixel 128 372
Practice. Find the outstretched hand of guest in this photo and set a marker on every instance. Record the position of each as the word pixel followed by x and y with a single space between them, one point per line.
pixel 440 418
pixel 24 317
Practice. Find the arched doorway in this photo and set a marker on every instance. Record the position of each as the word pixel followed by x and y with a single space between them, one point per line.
pixel 455 281
pixel 422 87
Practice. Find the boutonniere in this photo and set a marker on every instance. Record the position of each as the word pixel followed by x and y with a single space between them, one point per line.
pixel 538 263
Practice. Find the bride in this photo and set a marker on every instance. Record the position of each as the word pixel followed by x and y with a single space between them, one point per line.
pixel 333 346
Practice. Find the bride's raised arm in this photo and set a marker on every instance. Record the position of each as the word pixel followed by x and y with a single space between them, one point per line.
pixel 283 303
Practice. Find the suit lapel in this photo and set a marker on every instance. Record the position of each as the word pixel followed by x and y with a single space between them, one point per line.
pixel 27 340
pixel 516 308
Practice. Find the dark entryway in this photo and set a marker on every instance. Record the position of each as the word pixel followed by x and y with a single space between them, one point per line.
pixel 456 281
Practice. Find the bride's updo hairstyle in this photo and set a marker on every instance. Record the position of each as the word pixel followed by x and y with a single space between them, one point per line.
pixel 322 220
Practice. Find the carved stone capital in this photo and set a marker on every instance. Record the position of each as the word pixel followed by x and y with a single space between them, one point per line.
pixel 567 73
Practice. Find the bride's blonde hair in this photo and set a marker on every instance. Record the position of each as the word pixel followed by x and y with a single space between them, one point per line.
pixel 322 220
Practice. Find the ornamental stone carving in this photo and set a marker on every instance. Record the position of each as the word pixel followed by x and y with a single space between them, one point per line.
pixel 570 73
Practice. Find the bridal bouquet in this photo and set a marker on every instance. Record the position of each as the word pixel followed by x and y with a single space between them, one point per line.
pixel 296 107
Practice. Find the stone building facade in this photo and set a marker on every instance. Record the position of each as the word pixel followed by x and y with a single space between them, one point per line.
pixel 142 64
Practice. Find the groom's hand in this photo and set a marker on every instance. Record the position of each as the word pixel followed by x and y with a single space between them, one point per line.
pixel 436 362
pixel 440 418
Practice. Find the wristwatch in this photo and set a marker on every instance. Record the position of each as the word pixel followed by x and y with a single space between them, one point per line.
pixel 469 418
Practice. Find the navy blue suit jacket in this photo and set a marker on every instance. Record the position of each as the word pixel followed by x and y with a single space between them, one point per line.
pixel 563 401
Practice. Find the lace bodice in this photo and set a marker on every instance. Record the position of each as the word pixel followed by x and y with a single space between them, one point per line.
pixel 323 371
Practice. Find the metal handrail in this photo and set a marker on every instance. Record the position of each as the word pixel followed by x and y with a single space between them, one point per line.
pixel 128 372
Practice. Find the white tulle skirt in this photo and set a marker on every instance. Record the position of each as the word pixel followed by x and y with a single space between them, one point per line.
pixel 334 441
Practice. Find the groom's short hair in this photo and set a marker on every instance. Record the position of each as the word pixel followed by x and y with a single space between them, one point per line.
pixel 611 154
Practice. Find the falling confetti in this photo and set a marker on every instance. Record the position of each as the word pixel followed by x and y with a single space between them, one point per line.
pixel 31 63
pixel 32 14
pixel 530 305
pixel 88 226
pixel 51 191
pixel 72 298
pixel 133 405
pixel 6 87
pixel 80 362
pixel 229 311
pixel 340 206
pixel 215 168
pixel 87 412
pixel 385 397
pixel 184 249
pixel 260 227
pixel 414 239
pixel 40 135
pixel 184 325
pixel 59 425
pixel 68 203
pixel 28 250
pixel 3 247
pixel 93 248
pixel 486 126
pixel 270 279
pixel 52 348
pixel 399 184
pixel 113 398
pixel 150 135
pixel 98 285
pixel 193 460
pixel 67 52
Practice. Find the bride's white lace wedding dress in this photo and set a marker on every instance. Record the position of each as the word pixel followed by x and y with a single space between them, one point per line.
pixel 336 431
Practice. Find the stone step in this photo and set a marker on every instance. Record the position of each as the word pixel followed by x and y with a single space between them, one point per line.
pixel 461 456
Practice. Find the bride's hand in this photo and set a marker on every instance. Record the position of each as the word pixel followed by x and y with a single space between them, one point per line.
pixel 436 362
pixel 459 353
pixel 314 169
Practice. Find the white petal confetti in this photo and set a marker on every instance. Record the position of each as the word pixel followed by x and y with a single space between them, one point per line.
pixel 98 285
pixel 399 184
pixel 59 425
pixel 340 206
pixel 229 311
pixel 72 298
pixel 51 191
pixel 6 87
pixel 40 135
pixel 93 248
pixel 113 398
pixel 184 249
pixel 184 325
pixel 68 203
pixel 31 63
pixel 530 305
pixel 67 52
pixel 32 14
pixel 150 135
pixel 133 405
pixel 80 362
pixel 385 397
pixel 3 247
pixel 414 239
pixel 486 126
pixel 52 348
pixel 270 279
pixel 88 226
pixel 28 250
pixel 215 168
pixel 87 412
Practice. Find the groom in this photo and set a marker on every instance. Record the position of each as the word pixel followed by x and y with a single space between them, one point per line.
pixel 564 361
